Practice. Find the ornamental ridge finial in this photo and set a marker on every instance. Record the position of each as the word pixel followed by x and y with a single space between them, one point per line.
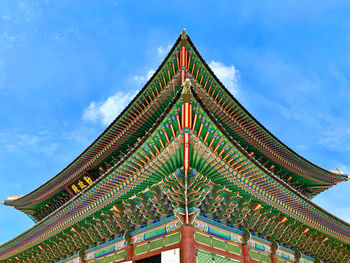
pixel 186 87
pixel 183 37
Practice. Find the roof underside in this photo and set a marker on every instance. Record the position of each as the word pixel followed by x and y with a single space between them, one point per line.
pixel 229 146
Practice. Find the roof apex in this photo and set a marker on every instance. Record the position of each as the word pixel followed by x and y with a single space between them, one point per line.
pixel 183 37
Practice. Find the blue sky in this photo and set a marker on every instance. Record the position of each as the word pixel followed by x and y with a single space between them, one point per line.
pixel 68 67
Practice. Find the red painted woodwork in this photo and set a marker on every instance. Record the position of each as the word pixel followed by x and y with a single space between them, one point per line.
pixel 245 253
pixel 188 252
pixel 129 250
pixel 273 256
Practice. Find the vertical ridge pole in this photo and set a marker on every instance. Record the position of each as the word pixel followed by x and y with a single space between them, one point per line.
pixel 186 115
pixel 183 56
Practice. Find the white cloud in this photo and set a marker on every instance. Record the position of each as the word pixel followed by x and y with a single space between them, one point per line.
pixel 106 111
pixel 142 79
pixel 228 75
pixel 163 51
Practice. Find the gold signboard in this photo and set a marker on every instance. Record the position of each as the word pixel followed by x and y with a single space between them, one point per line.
pixel 80 184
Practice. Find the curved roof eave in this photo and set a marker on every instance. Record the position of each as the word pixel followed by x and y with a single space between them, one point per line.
pixel 24 199
pixel 342 177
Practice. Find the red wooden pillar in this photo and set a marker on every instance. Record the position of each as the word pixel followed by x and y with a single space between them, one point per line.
pixel 245 251
pixel 273 255
pixel 188 252
pixel 273 258
pixel 129 250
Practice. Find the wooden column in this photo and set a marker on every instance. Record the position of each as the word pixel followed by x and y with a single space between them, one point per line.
pixel 245 251
pixel 273 256
pixel 188 252
pixel 129 250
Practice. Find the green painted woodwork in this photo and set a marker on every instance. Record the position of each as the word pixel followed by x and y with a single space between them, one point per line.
pixel 261 257
pixel 218 243
pixel 155 233
pixel 158 243
pixel 217 232
pixel 202 239
pixel 70 259
pixel 111 258
pixel 141 249
pixel 285 256
pixel 203 256
pixel 104 251
pixel 233 248
pixel 223 259
pixel 265 258
pixel 207 240
pixel 172 239
pixel 155 244
pixel 254 255
pixel 207 257
pixel 120 255
pixel 259 247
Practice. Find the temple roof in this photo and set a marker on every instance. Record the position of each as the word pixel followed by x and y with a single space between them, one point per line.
pixel 142 148
pixel 306 177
